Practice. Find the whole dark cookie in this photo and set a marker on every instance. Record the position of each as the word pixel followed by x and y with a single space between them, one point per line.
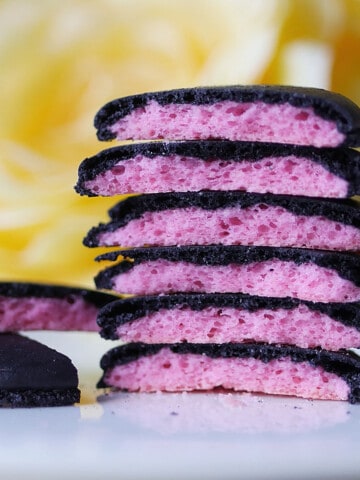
pixel 34 375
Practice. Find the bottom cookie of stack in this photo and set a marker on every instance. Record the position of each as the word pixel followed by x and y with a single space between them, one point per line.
pixel 271 369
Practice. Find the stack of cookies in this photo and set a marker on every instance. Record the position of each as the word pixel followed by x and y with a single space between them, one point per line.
pixel 239 250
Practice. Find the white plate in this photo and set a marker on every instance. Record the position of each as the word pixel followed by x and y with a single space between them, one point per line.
pixel 175 436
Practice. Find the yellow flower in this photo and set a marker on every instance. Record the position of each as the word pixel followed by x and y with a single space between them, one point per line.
pixel 62 60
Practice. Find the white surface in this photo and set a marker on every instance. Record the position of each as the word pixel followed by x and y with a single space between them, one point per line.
pixel 175 436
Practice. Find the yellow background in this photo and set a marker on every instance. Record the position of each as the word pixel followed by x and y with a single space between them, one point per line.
pixel 62 60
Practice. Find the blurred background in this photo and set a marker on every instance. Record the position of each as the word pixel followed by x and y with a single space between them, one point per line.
pixel 62 60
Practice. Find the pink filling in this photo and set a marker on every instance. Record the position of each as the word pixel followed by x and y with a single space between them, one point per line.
pixel 271 278
pixel 283 175
pixel 258 225
pixel 254 121
pixel 47 314
pixel 167 371
pixel 299 326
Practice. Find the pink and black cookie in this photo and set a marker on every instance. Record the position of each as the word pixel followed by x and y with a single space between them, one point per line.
pixel 315 275
pixel 221 165
pixel 251 367
pixel 264 113
pixel 231 317
pixel 34 375
pixel 36 306
pixel 230 218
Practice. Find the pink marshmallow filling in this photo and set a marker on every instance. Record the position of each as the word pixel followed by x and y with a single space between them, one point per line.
pixel 253 121
pixel 284 175
pixel 34 313
pixel 299 326
pixel 167 371
pixel 271 278
pixel 258 225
